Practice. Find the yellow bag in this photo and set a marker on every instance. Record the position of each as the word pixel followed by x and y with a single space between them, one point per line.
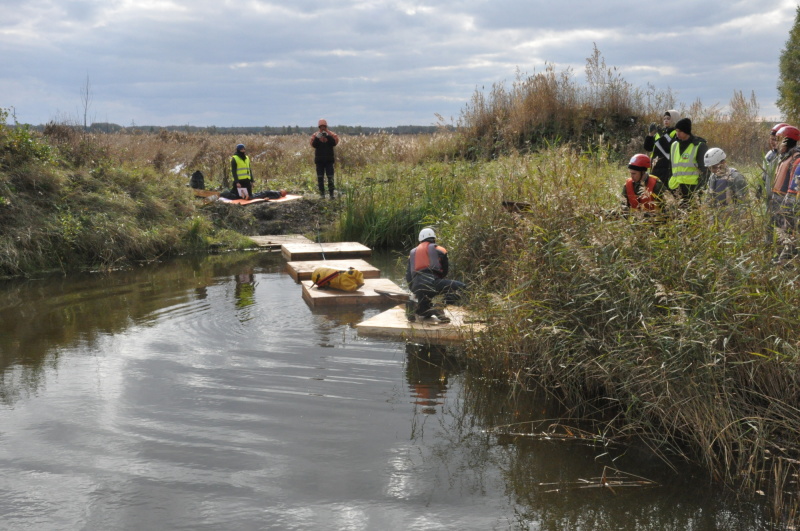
pixel 327 277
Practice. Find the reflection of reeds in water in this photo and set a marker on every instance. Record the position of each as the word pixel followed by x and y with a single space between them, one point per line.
pixel 610 479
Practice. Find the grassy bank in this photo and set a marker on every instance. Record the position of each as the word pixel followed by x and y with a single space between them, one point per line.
pixel 681 334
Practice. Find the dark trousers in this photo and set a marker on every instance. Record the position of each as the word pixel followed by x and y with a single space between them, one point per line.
pixel 685 192
pixel 426 286
pixel 248 183
pixel 323 169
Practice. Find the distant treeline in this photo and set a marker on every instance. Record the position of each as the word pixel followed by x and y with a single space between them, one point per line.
pixel 105 127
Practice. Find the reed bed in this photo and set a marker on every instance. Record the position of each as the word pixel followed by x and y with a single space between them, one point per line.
pixel 680 333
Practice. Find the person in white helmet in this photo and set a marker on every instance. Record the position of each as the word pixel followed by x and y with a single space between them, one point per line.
pixel 428 266
pixel 726 186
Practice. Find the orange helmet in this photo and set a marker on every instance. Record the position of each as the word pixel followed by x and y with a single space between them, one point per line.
pixel 639 162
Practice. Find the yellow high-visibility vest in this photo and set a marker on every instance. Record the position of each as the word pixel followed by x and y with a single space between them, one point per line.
pixel 684 165
pixel 242 167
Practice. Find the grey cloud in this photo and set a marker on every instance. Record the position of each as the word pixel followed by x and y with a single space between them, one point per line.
pixel 366 61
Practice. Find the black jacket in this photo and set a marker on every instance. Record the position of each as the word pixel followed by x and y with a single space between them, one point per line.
pixel 323 151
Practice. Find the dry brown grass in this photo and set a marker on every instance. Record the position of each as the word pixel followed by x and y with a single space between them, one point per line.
pixel 278 161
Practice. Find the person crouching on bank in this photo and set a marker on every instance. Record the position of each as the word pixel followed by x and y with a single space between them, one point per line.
pixel 428 266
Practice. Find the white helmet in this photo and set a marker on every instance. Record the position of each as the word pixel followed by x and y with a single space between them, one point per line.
pixel 426 233
pixel 713 157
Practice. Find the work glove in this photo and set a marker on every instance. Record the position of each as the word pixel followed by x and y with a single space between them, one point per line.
pixel 653 128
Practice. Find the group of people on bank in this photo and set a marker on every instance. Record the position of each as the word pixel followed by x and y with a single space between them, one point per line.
pixel 323 141
pixel 679 163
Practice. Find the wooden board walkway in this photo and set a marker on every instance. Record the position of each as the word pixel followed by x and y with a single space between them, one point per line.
pixel 276 242
pixel 214 195
pixel 208 194
pixel 392 324
pixel 366 295
pixel 300 271
pixel 324 251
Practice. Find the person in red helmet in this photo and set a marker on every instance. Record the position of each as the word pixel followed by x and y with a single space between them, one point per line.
pixel 642 192
pixel 771 159
pixel 785 187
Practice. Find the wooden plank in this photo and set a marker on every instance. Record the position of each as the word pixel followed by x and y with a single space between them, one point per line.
pixel 393 324
pixel 324 251
pixel 213 195
pixel 300 271
pixel 287 197
pixel 366 295
pixel 242 202
pixel 275 242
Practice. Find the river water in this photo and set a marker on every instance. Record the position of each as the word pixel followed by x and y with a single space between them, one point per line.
pixel 205 394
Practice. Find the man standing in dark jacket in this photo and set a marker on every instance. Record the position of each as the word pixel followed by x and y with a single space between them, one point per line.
pixel 658 144
pixel 323 142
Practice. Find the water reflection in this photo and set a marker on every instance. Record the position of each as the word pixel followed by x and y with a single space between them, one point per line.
pixel 245 292
pixel 490 434
pixel 428 368
pixel 129 404
pixel 38 318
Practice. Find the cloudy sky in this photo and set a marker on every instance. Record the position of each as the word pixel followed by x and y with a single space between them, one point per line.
pixel 362 62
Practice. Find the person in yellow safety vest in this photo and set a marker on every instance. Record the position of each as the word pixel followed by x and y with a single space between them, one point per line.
pixel 642 192
pixel 658 143
pixel 428 266
pixel 242 174
pixel 689 172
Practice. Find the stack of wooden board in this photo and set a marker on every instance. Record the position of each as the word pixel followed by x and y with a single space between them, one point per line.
pixel 394 324
pixel 303 257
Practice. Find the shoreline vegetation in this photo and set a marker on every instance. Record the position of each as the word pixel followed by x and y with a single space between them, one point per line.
pixel 681 335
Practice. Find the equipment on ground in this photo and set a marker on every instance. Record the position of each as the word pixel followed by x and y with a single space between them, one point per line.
pixel 327 277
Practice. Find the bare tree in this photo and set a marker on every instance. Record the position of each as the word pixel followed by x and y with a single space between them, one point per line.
pixel 86 100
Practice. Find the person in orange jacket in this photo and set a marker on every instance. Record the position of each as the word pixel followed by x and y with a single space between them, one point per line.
pixel 428 266
pixel 642 191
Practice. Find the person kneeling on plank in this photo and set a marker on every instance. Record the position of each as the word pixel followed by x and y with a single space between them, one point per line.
pixel 427 268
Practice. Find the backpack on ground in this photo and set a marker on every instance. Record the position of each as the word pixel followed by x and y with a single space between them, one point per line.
pixel 328 277
pixel 197 181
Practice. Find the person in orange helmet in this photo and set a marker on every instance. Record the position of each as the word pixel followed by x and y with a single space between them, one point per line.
pixel 323 141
